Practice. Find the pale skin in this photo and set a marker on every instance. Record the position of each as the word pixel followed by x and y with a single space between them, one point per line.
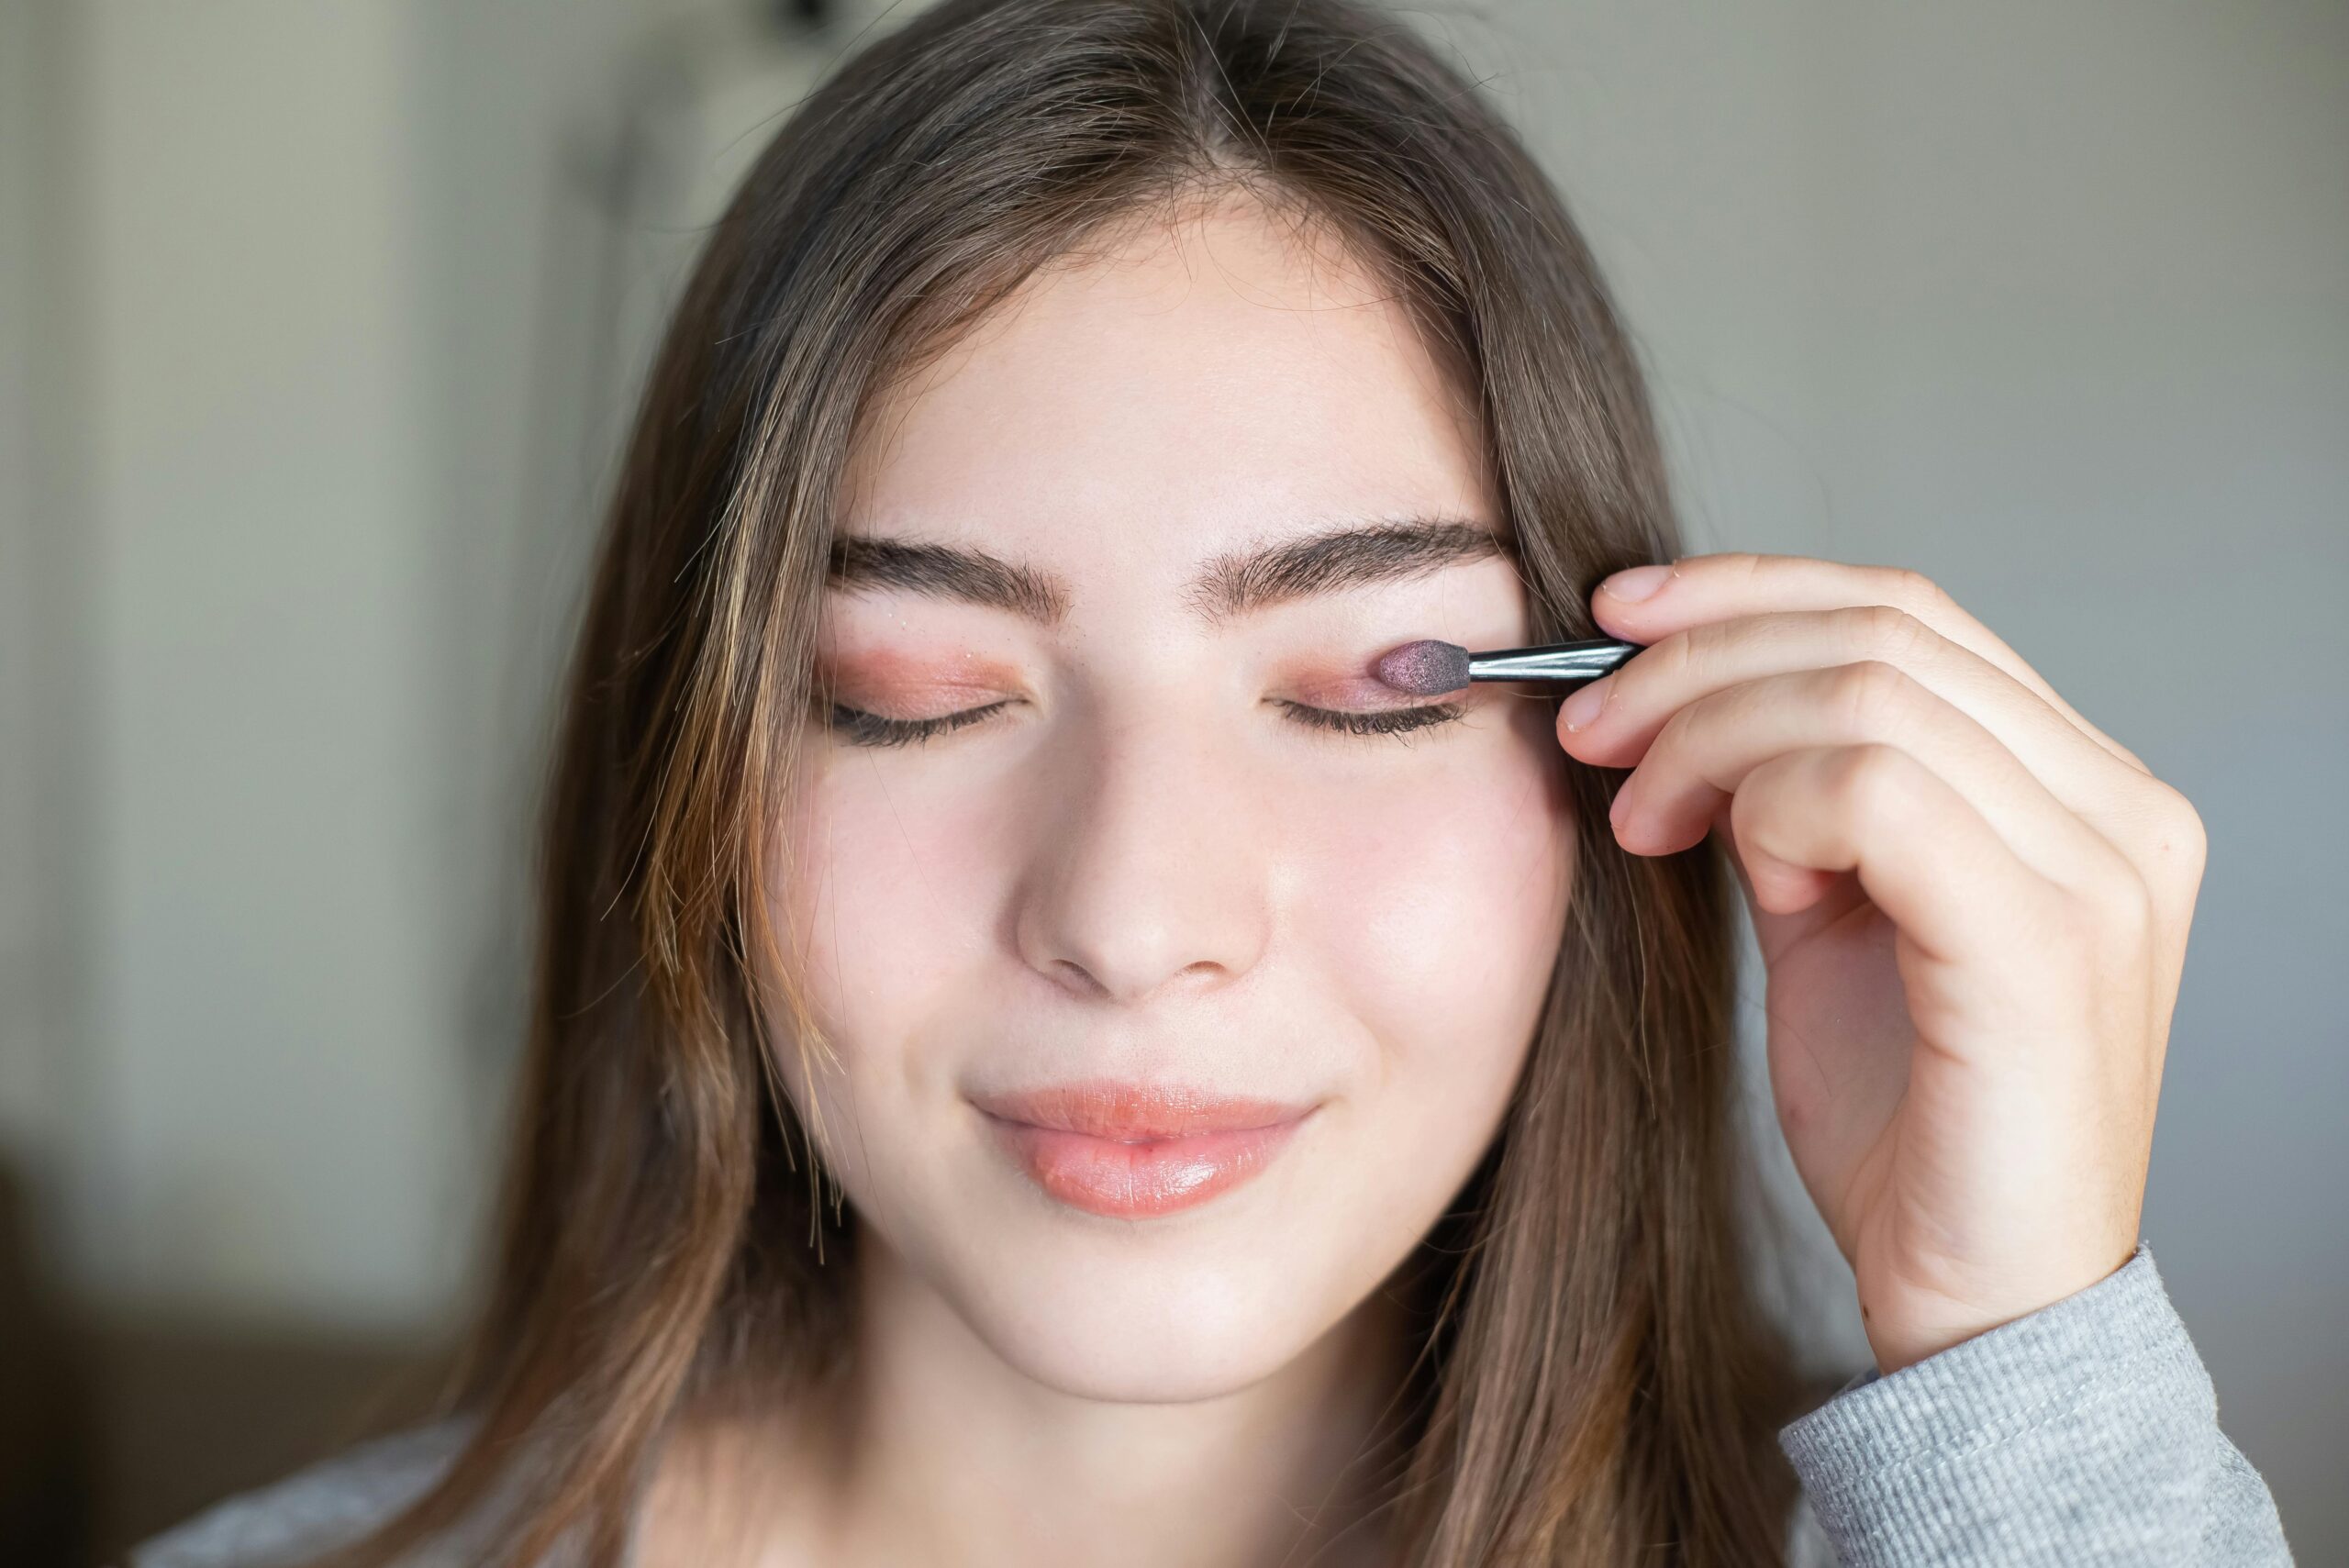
pixel 1144 859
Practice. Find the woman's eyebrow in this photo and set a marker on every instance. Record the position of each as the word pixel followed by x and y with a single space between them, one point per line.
pixel 1229 586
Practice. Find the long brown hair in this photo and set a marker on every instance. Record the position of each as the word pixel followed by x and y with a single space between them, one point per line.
pixel 1599 1384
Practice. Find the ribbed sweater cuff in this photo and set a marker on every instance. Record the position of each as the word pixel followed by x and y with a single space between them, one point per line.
pixel 2077 1433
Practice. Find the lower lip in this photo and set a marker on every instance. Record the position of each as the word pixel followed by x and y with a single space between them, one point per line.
pixel 1135 1181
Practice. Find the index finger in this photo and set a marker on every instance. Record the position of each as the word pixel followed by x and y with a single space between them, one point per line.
pixel 1697 589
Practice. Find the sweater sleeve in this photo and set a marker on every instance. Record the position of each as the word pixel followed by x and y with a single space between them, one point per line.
pixel 2086 1432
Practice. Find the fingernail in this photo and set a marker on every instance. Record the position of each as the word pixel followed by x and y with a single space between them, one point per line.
pixel 1580 709
pixel 1636 584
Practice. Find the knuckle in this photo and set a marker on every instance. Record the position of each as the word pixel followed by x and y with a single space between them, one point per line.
pixel 1870 692
pixel 1676 659
pixel 2178 835
pixel 1671 662
pixel 2179 820
pixel 1887 632
pixel 1748 565
pixel 1912 589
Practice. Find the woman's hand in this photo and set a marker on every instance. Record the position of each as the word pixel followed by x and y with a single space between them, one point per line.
pixel 1972 902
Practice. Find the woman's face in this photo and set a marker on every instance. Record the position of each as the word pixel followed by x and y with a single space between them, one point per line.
pixel 1144 878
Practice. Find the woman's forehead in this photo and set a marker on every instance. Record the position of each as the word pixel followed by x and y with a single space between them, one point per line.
pixel 1197 389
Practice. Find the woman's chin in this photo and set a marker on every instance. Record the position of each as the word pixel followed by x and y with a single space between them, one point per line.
pixel 1131 1334
pixel 1188 1307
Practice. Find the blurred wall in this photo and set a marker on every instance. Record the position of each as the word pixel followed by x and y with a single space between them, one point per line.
pixel 265 803
pixel 318 324
pixel 317 329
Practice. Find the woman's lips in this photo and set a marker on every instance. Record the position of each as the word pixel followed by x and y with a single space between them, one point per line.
pixel 1130 1150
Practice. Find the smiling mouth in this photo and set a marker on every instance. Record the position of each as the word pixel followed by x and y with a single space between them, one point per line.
pixel 1130 1150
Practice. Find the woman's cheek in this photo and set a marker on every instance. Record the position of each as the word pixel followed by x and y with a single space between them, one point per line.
pixel 889 881
pixel 1441 905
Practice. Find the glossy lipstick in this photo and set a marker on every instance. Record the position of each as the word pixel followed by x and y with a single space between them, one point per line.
pixel 1132 1151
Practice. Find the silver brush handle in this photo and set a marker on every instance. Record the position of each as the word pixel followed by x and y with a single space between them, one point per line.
pixel 1557 662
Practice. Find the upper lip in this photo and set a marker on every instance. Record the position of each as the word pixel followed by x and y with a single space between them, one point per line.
pixel 1108 1108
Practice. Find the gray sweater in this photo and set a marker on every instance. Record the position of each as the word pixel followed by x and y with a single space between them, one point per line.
pixel 2087 1432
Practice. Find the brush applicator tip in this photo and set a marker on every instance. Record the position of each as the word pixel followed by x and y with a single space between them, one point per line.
pixel 1427 668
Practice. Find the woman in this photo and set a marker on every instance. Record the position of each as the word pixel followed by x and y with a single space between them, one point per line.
pixel 1040 1057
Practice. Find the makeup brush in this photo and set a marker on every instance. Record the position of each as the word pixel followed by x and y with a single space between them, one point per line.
pixel 1429 668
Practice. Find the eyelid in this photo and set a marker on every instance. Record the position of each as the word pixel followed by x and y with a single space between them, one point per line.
pixel 875 731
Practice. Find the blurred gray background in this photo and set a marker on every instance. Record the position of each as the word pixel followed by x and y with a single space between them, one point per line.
pixel 318 325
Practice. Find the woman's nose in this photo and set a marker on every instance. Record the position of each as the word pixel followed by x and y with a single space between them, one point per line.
pixel 1150 869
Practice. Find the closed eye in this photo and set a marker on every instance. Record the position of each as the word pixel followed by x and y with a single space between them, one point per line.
pixel 861 729
pixel 1397 721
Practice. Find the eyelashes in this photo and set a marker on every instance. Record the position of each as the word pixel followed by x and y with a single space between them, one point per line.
pixel 861 729
pixel 1397 721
